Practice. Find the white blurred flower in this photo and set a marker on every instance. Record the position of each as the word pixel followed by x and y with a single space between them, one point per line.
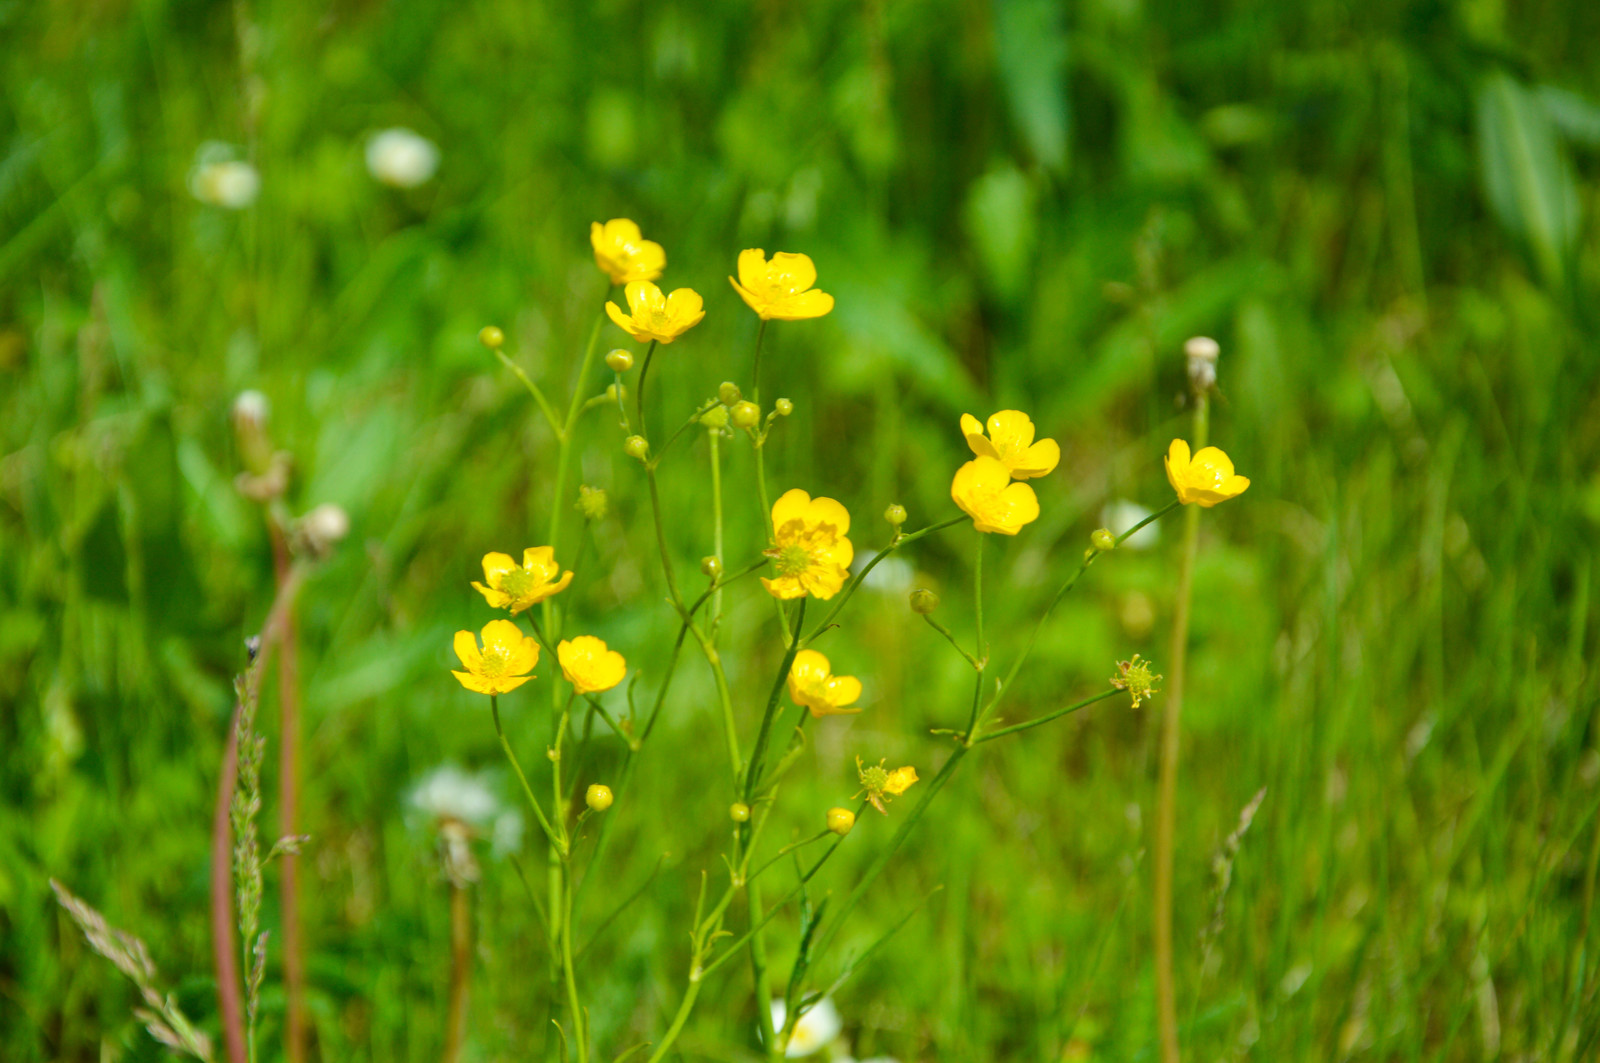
pixel 401 158
pixel 1121 514
pixel 892 575
pixel 816 1029
pixel 220 178
pixel 506 835
pixel 449 793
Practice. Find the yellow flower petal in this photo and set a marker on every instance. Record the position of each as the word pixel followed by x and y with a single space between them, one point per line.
pixel 794 504
pixel 1010 440
pixel 1204 479
pixel 467 649
pixel 589 665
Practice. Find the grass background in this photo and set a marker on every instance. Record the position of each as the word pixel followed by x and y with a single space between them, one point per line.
pixel 1384 212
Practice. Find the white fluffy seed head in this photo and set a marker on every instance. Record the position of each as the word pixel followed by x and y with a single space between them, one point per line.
pixel 401 158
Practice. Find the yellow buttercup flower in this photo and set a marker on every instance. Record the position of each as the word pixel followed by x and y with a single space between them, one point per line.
pixel 502 665
pixel 1010 441
pixel 654 316
pixel 1206 478
pixel 813 685
pixel 879 784
pixel 984 491
pixel 809 546
pixel 781 289
pixel 623 253
pixel 589 666
pixel 516 587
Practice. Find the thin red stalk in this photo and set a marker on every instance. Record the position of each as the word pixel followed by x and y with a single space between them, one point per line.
pixel 222 947
pixel 460 971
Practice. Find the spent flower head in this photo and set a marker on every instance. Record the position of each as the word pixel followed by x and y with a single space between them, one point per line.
pixel 517 587
pixel 809 547
pixel 880 784
pixel 1135 677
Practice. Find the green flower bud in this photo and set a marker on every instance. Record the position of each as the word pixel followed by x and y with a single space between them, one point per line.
pixel 716 417
pixel 598 797
pixel 636 447
pixel 1103 540
pixel 491 337
pixel 728 393
pixel 739 812
pixel 592 502
pixel 924 601
pixel 784 407
pixel 746 415
pixel 711 565
pixel 619 360
pixel 895 514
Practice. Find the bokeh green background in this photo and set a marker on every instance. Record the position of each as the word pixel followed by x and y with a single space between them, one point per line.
pixel 1385 212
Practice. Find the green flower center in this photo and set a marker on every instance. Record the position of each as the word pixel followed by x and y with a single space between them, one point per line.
pixel 792 559
pixel 874 778
pixel 495 664
pixel 517 582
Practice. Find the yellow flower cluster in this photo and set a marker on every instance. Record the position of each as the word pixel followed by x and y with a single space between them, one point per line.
pixel 782 289
pixel 507 657
pixel 983 487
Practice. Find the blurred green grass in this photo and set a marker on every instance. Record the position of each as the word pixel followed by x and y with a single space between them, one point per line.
pixel 1385 213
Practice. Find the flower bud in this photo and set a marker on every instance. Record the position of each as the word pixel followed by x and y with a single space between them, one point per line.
pixel 739 812
pixel 840 820
pixel 746 415
pixel 784 407
pixel 636 447
pixel 924 601
pixel 1201 353
pixel 619 360
pixel 491 337
pixel 716 417
pixel 250 411
pixel 319 531
pixel 728 393
pixel 592 502
pixel 711 565
pixel 598 797
pixel 895 514
pixel 1103 540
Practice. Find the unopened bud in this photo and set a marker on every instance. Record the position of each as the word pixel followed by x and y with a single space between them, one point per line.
pixel 895 514
pixel 598 797
pixel 491 337
pixel 924 601
pixel 323 528
pixel 592 502
pixel 728 393
pixel 784 407
pixel 1103 540
pixel 711 565
pixel 746 415
pixel 716 417
pixel 1201 352
pixel 636 447
pixel 739 812
pixel 250 411
pixel 840 820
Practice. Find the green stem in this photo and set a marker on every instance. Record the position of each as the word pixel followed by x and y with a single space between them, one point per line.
pixel 638 398
pixel 1166 801
pixel 990 736
pixel 714 439
pixel 856 580
pixel 527 382
pixel 694 419
pixel 941 629
pixel 755 369
pixel 752 774
pixel 494 709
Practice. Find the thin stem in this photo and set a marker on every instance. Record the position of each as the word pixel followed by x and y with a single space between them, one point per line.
pixel 694 419
pixel 533 389
pixel 638 398
pixel 755 369
pixel 977 598
pixel 859 577
pixel 288 806
pixel 1166 801
pixel 460 972
pixel 494 710
pixel 990 736
pixel 714 440
pixel 752 774
pixel 941 629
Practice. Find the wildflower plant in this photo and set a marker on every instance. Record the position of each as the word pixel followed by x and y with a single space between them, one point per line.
pixel 808 567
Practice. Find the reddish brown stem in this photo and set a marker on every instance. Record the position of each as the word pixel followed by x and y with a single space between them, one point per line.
pixel 460 971
pixel 222 947
pixel 288 804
